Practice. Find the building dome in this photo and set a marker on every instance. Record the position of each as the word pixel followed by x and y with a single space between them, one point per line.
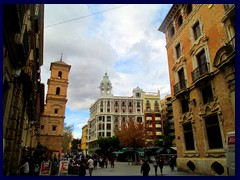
pixel 105 81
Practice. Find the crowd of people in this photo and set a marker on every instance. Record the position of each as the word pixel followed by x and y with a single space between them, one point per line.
pixel 157 162
pixel 79 165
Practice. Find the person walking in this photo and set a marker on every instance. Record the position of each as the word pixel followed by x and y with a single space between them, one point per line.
pixel 161 164
pixel 24 168
pixel 82 169
pixel 145 168
pixel 172 162
pixel 90 165
pixel 155 165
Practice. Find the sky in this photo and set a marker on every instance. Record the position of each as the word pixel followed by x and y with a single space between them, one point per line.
pixel 121 40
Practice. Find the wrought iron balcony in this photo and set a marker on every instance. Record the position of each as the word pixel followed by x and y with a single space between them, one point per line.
pixel 181 85
pixel 200 71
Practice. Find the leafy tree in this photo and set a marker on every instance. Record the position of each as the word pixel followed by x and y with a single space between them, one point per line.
pixel 108 145
pixel 75 143
pixel 67 137
pixel 131 134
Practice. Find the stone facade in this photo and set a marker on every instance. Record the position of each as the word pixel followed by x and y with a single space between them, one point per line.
pixel 52 119
pixel 200 43
pixel 23 93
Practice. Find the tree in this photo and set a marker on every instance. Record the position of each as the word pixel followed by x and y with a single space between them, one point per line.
pixel 67 137
pixel 108 145
pixel 132 135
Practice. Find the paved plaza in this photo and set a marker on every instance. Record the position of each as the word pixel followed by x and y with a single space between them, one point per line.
pixel 125 169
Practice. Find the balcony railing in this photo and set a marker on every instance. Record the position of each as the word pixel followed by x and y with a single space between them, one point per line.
pixel 181 85
pixel 200 70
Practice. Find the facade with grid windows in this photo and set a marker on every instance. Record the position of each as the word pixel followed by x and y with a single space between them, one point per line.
pixel 109 112
pixel 200 43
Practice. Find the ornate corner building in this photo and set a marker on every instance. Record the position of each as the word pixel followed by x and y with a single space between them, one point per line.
pixel 23 92
pixel 109 112
pixel 52 119
pixel 200 43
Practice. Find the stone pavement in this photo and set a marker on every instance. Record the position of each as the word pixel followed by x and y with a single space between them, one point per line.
pixel 124 169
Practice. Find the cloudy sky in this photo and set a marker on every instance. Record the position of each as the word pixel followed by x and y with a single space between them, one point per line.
pixel 120 39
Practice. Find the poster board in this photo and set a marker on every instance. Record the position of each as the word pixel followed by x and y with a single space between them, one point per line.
pixel 45 168
pixel 63 170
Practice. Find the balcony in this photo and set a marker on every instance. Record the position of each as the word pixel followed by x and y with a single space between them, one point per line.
pixel 200 71
pixel 180 86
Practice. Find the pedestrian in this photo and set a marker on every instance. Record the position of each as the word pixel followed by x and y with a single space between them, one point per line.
pixel 54 166
pixel 155 165
pixel 82 169
pixel 172 162
pixel 145 168
pixel 161 164
pixel 90 165
pixel 24 168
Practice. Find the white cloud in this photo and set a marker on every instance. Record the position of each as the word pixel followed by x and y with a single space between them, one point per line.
pixel 124 42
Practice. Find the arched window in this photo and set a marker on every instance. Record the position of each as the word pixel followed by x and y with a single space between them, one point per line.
pixel 172 31
pixel 60 74
pixel 189 9
pixel 58 90
pixel 180 21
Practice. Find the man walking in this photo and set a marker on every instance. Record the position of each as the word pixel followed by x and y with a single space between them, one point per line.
pixel 90 165
pixel 145 168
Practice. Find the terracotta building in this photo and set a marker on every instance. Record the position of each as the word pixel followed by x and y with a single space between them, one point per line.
pixel 23 93
pixel 152 117
pixel 200 43
pixel 52 119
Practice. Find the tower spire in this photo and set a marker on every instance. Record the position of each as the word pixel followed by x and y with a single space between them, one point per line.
pixel 61 57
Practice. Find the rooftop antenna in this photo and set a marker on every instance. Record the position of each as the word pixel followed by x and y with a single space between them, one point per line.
pixel 61 57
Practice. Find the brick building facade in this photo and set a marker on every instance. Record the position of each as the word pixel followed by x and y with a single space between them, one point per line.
pixel 52 119
pixel 200 43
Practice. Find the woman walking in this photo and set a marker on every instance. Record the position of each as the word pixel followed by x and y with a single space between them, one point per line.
pixel 161 164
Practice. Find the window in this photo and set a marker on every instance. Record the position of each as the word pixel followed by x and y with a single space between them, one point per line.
pixel 108 134
pixel 172 31
pixel 189 9
pixel 213 132
pixel 108 118
pixel 55 111
pixel 207 93
pixel 139 119
pixel 178 50
pixel 180 21
pixel 54 128
pixel 60 74
pixel 188 136
pixel 202 62
pixel 58 90
pixel 108 103
pixel 185 107
pixel 196 30
pixel 42 126
pixel 108 126
pixel 138 95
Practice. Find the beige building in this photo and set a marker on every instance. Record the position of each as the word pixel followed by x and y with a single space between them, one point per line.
pixel 84 144
pixel 109 111
pixel 52 119
pixel 23 93
pixel 200 43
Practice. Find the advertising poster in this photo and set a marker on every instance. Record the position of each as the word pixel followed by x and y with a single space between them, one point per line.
pixel 45 168
pixel 63 167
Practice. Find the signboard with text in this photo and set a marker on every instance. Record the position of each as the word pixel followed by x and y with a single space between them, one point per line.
pixel 63 167
pixel 45 168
